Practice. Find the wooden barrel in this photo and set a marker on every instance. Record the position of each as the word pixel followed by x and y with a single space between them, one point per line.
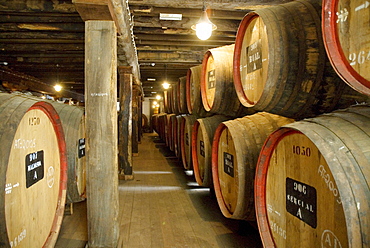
pixel 235 149
pixel 280 64
pixel 193 95
pixel 174 98
pixel 168 129
pixel 347 40
pixel 73 122
pixel 162 119
pixel 216 83
pixel 177 135
pixel 33 173
pixel 181 96
pixel 185 140
pixel 166 101
pixel 312 182
pixel 172 127
pixel 154 122
pixel 201 142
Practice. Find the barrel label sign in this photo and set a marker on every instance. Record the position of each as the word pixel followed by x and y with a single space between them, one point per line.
pixel 301 201
pixel 211 79
pixel 229 164
pixel 254 56
pixel 81 148
pixel 34 167
pixel 201 148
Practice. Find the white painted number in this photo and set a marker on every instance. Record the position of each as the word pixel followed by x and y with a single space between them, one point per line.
pixel 358 58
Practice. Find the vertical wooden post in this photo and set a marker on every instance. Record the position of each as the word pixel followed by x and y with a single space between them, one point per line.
pixel 125 122
pixel 135 115
pixel 140 117
pixel 101 133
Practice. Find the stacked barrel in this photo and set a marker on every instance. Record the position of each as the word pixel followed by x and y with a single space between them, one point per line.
pixel 42 168
pixel 277 124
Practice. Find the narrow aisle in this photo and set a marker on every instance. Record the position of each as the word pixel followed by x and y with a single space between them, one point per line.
pixel 164 207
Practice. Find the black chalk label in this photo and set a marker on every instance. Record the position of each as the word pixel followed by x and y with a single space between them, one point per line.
pixel 201 148
pixel 301 201
pixel 254 57
pixel 229 164
pixel 34 168
pixel 211 79
pixel 81 148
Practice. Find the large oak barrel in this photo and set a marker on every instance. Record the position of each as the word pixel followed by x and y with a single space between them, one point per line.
pixel 193 94
pixel 177 135
pixel 347 40
pixel 201 142
pixel 73 122
pixel 33 172
pixel 280 64
pixel 185 140
pixel 171 127
pixel 181 96
pixel 174 98
pixel 166 101
pixel 216 83
pixel 235 149
pixel 162 119
pixel 312 182
pixel 168 130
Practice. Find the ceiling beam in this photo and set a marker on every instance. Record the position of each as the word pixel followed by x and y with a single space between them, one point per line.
pixel 213 4
pixel 187 12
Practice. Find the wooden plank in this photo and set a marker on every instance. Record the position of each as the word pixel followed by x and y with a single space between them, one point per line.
pixel 93 9
pixel 101 133
pixel 119 10
pixel 125 122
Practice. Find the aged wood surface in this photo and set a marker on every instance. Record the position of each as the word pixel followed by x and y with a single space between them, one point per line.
pixel 101 133
pixel 125 121
pixel 163 207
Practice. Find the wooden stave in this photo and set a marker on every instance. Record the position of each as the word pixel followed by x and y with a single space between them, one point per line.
pixel 337 145
pixel 335 50
pixel 23 104
pixel 250 143
pixel 224 88
pixel 286 98
pixel 208 125
pixel 187 122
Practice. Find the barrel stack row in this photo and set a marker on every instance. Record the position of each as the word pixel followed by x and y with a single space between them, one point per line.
pixel 42 168
pixel 278 135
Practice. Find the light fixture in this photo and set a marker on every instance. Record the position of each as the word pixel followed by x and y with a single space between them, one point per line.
pixel 165 84
pixel 57 87
pixel 158 97
pixel 204 26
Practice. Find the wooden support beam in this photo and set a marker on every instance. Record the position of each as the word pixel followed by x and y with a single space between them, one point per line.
pixel 125 122
pixel 93 9
pixel 119 10
pixel 101 133
pixel 135 120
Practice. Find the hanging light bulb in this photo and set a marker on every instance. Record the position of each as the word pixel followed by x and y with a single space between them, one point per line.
pixel 166 85
pixel 57 87
pixel 204 27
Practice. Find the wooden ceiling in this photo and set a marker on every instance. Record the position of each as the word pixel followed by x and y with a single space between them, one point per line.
pixel 42 41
